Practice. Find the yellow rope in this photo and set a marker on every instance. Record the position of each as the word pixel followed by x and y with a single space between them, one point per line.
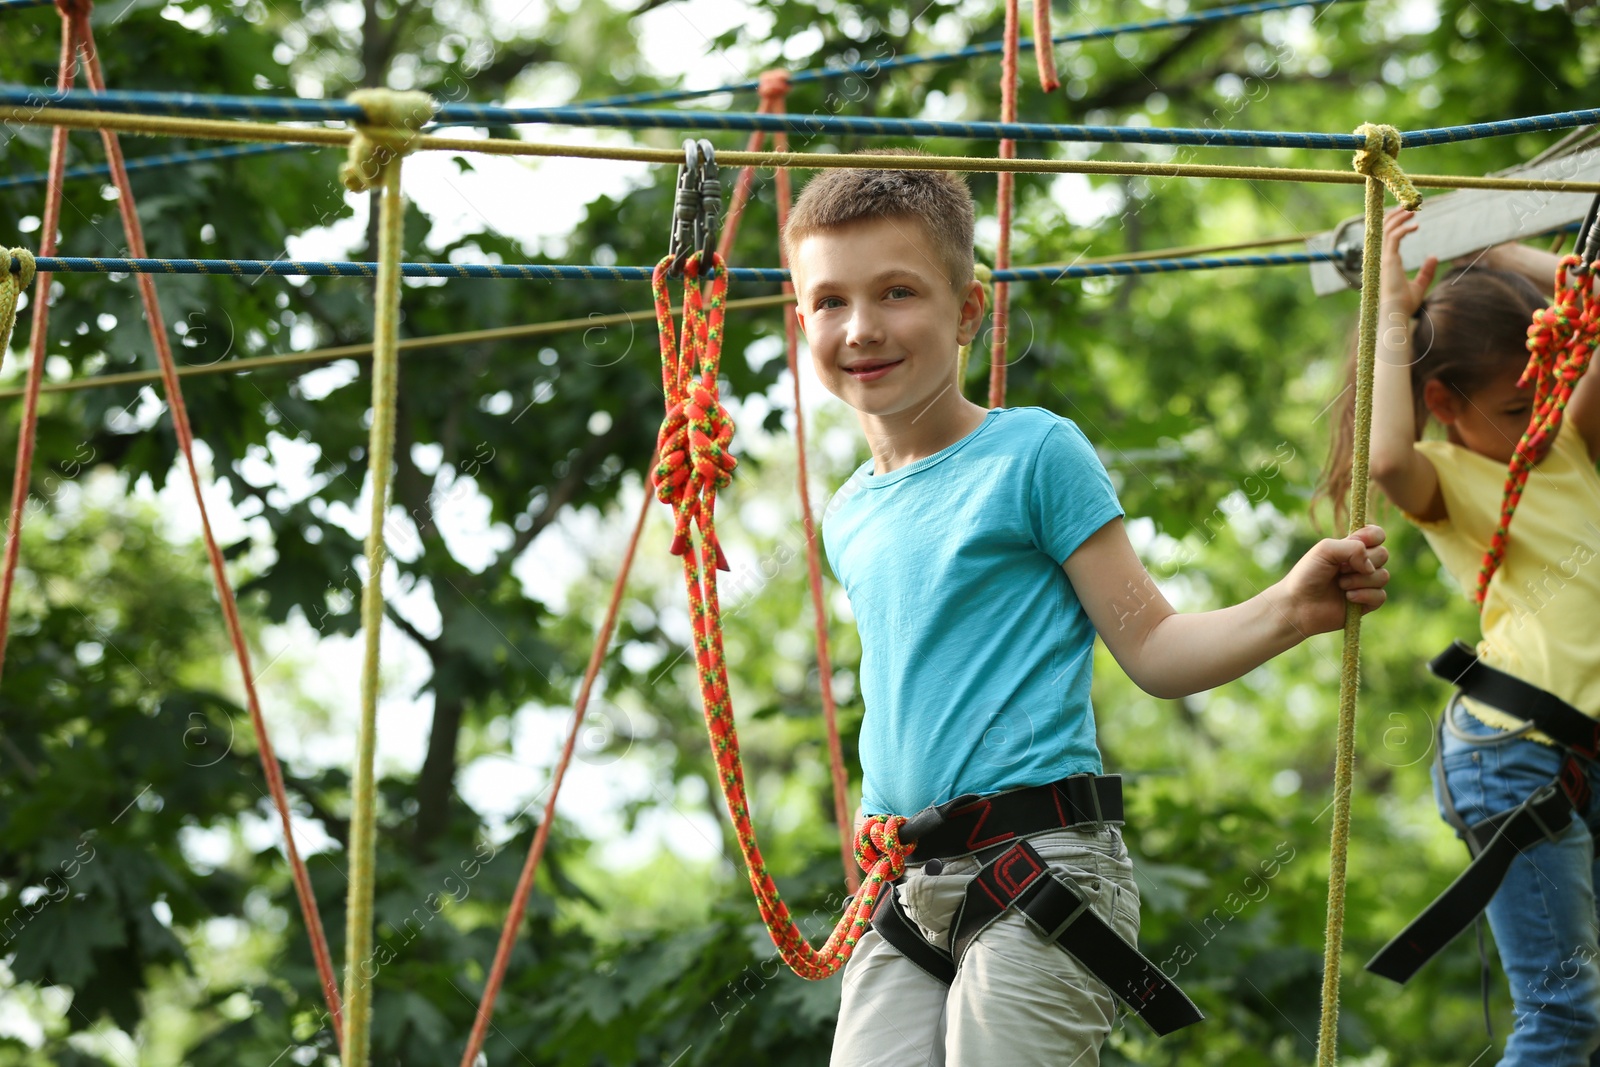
pixel 1380 160
pixel 984 275
pixel 377 165
pixel 1377 163
pixel 364 351
pixel 12 286
pixel 218 129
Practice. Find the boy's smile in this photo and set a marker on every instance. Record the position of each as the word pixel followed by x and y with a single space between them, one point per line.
pixel 884 327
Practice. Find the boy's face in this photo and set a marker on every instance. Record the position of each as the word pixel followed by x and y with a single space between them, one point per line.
pixel 874 294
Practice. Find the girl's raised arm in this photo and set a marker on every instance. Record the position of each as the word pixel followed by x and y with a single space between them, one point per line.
pixel 1405 475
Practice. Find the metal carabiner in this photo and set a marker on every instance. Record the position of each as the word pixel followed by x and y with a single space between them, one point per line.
pixel 685 211
pixel 709 219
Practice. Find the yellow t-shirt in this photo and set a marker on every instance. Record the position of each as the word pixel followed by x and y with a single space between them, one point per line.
pixel 1541 614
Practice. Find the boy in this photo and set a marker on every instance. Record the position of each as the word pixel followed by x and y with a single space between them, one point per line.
pixel 982 550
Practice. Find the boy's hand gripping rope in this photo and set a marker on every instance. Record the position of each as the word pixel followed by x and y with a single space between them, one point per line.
pixel 695 463
pixel 1561 343
pixel 1377 162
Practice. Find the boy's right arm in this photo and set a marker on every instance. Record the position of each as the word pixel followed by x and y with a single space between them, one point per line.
pixel 1404 474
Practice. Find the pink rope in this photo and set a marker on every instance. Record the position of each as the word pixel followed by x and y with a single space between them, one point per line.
pixel 79 16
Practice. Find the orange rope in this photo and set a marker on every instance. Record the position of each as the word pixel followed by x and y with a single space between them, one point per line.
pixel 1044 49
pixel 78 14
pixel 1002 258
pixel 28 432
pixel 819 613
pixel 1561 344
pixel 694 464
pixel 774 90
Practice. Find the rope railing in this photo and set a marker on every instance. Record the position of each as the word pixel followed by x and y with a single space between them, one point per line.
pixel 228 130
pixel 289 108
pixel 292 268
pixel 872 68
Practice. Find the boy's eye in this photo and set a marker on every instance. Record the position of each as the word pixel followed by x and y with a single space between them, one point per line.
pixel 901 289
pixel 828 301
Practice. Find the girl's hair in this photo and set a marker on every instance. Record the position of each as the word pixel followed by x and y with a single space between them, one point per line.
pixel 1470 329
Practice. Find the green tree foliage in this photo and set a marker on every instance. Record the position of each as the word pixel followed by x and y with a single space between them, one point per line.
pixel 137 850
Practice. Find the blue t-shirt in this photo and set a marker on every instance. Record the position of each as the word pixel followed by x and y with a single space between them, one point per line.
pixel 976 655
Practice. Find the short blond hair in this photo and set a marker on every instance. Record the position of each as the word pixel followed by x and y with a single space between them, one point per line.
pixel 939 199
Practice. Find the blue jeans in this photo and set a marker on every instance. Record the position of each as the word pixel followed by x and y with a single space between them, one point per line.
pixel 1544 915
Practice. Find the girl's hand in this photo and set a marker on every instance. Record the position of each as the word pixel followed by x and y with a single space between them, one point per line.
pixel 1397 293
pixel 1334 572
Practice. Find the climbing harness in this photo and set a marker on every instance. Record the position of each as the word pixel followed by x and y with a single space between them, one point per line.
pixel 994 829
pixel 1496 841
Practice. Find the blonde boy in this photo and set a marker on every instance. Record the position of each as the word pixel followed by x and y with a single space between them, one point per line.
pixel 982 551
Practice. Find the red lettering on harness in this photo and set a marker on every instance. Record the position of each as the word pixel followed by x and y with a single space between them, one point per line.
pixel 1005 881
pixel 1575 783
pixel 973 843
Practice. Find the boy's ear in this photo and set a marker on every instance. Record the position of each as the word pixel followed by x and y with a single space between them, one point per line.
pixel 1442 402
pixel 972 309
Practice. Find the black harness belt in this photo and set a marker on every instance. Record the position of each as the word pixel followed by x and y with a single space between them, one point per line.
pixel 1496 841
pixel 1014 875
pixel 1560 721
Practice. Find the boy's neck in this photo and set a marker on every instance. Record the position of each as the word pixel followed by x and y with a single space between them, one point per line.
pixel 907 436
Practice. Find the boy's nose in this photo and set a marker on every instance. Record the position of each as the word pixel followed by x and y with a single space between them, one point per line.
pixel 864 330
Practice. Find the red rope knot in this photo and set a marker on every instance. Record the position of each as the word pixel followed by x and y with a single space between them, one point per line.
pixel 73 9
pixel 878 841
pixel 697 432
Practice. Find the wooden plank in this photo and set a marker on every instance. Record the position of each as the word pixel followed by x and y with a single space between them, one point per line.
pixel 1462 222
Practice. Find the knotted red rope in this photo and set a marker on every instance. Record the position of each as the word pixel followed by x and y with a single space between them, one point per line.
pixel 78 37
pixel 1561 343
pixel 695 463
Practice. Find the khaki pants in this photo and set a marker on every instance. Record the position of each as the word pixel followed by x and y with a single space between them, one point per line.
pixel 1018 999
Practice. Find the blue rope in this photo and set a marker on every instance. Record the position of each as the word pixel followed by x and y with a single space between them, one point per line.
pixel 871 68
pixel 493 115
pixel 251 268
pixel 152 162
pixel 17 5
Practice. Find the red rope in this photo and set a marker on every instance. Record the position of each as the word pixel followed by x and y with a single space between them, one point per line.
pixel 28 432
pixel 819 613
pixel 1044 49
pixel 519 899
pixel 774 90
pixel 79 16
pixel 1002 258
pixel 694 464
pixel 1561 343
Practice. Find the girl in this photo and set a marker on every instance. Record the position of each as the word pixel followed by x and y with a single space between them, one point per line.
pixel 1455 354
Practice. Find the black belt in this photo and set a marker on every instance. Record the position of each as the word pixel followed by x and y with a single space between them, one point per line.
pixel 1019 877
pixel 1496 841
pixel 971 823
pixel 1561 722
